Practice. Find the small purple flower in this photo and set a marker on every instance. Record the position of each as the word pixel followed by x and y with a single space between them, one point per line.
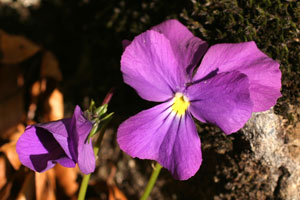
pixel 232 81
pixel 64 141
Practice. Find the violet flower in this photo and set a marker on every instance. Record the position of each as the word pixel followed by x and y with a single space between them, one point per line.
pixel 64 141
pixel 232 81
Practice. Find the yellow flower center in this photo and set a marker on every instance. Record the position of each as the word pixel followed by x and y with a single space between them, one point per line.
pixel 181 103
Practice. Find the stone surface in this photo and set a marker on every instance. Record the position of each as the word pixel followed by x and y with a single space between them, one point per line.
pixel 277 147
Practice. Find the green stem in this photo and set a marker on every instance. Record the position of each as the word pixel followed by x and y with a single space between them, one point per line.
pixel 151 182
pixel 86 177
pixel 83 186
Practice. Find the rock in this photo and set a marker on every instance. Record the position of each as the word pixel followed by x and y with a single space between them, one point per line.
pixel 277 147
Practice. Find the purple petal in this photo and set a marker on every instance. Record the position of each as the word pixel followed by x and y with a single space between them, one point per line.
pixel 180 151
pixel 149 66
pixel 81 128
pixel 59 129
pixel 186 47
pixel 39 150
pixel 63 141
pixel 223 100
pixel 263 72
pixel 160 135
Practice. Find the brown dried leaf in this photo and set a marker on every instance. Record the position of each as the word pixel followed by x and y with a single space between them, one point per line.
pixel 115 194
pixel 113 191
pixel 3 178
pixel 67 179
pixel 16 49
pixel 27 190
pixel 56 104
pixel 5 192
pixel 9 149
pixel 45 185
pixel 11 98
pixel 50 67
pixel 13 133
pixel 14 178
pixel 40 184
pixel 36 89
pixel 11 112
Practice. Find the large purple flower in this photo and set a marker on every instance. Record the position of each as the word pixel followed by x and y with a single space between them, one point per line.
pixel 64 141
pixel 233 81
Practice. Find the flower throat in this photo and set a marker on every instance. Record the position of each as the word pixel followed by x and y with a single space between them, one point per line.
pixel 180 104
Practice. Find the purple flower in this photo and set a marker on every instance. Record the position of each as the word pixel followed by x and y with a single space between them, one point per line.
pixel 64 141
pixel 232 81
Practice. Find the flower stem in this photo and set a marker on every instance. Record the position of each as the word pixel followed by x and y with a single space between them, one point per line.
pixel 151 182
pixel 96 147
pixel 86 177
pixel 83 186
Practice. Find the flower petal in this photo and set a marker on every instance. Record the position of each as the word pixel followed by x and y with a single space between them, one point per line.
pixel 39 150
pixel 180 151
pixel 160 135
pixel 263 72
pixel 223 100
pixel 186 47
pixel 84 149
pixel 59 129
pixel 149 66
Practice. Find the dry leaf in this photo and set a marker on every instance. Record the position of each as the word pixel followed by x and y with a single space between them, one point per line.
pixel 113 191
pixel 27 190
pixel 9 149
pixel 109 187
pixel 38 87
pixel 5 192
pixel 3 178
pixel 67 179
pixel 13 133
pixel 40 184
pixel 11 98
pixel 45 185
pixel 11 112
pixel 18 131
pixel 56 104
pixel 53 102
pixel 115 194
pixel 12 178
pixel 16 49
pixel 50 67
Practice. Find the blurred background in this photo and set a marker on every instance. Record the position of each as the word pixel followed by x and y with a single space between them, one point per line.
pixel 58 54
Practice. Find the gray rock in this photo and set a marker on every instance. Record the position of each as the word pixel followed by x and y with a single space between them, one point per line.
pixel 277 147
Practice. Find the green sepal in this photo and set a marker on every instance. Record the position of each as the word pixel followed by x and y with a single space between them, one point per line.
pixel 108 116
pixel 101 110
